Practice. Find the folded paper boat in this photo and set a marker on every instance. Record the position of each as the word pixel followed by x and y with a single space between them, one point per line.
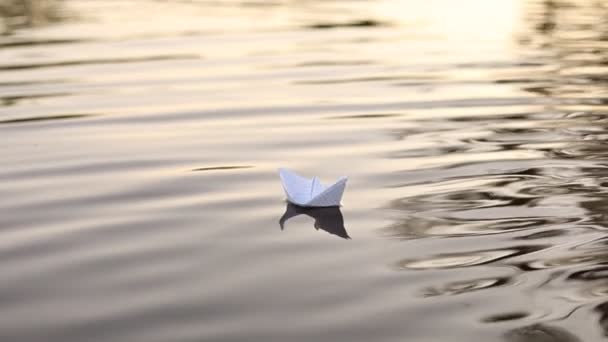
pixel 307 192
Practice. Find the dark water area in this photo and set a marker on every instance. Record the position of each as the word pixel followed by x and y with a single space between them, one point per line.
pixel 140 142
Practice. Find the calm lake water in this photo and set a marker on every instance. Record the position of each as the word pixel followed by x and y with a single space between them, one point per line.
pixel 140 141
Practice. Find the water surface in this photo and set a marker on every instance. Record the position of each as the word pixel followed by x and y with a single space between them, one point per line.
pixel 140 199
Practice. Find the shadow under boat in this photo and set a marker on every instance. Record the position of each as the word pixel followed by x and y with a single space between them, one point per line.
pixel 329 219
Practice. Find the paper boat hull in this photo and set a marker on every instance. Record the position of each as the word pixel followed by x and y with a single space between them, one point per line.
pixel 310 192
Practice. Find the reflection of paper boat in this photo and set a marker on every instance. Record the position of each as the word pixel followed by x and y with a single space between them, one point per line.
pixel 328 219
pixel 310 192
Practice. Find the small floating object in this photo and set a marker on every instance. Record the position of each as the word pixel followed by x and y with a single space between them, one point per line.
pixel 307 192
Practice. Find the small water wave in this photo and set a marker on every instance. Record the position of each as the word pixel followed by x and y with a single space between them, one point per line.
pixel 96 61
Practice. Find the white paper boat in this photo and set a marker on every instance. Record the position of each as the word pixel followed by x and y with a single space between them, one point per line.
pixel 310 192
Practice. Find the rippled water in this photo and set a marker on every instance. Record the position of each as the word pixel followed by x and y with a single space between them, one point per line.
pixel 140 201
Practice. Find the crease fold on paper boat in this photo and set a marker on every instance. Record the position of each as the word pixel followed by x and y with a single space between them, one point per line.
pixel 310 192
